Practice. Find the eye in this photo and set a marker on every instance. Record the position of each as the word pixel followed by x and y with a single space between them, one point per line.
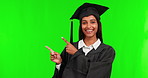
pixel 84 23
pixel 92 22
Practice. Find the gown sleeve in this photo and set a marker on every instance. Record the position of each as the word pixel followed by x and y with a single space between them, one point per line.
pixel 102 67
pixel 58 73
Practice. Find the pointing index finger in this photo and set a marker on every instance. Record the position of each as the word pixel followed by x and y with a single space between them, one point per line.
pixel 49 49
pixel 65 40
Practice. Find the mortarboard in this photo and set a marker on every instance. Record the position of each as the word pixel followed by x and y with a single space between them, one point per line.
pixel 85 10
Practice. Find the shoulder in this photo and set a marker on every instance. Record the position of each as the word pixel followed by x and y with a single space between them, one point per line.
pixel 106 47
pixel 102 45
pixel 106 51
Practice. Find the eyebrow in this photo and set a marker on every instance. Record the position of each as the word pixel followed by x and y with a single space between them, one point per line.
pixel 83 20
pixel 93 20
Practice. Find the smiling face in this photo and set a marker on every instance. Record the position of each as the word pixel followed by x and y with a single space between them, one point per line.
pixel 89 26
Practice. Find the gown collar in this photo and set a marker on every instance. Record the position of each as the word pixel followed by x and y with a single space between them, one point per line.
pixel 95 45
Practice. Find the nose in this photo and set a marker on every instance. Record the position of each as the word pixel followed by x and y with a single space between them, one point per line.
pixel 88 25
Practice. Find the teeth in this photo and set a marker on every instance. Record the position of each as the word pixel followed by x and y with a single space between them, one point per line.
pixel 89 30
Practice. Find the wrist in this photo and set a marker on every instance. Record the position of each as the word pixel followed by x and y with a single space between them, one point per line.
pixel 59 62
pixel 75 51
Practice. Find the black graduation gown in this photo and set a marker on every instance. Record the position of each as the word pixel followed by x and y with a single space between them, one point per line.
pixel 96 64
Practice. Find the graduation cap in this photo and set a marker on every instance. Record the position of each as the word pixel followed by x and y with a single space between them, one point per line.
pixel 85 10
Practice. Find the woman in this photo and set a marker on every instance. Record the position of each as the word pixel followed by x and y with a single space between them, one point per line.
pixel 89 57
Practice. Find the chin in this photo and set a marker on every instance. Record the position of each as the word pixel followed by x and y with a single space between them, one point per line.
pixel 89 36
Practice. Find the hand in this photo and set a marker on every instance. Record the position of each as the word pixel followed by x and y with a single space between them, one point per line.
pixel 55 57
pixel 70 48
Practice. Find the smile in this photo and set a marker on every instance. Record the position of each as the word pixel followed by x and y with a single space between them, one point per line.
pixel 89 31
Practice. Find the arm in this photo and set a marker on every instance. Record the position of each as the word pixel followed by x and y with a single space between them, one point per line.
pixel 102 67
pixel 58 73
pixel 62 59
pixel 57 58
pixel 99 68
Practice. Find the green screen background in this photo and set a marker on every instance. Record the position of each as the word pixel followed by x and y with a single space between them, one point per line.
pixel 26 26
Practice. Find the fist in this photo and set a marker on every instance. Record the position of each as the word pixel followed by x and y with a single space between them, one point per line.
pixel 54 56
pixel 69 47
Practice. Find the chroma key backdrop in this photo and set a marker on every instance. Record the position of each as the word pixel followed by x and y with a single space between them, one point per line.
pixel 27 26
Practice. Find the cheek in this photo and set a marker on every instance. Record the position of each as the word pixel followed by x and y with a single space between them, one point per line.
pixel 96 28
pixel 83 27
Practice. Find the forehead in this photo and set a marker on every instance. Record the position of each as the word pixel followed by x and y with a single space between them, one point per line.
pixel 89 17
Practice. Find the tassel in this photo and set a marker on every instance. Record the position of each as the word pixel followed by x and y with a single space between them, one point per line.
pixel 71 33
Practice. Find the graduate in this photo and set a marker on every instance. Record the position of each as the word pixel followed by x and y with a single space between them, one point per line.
pixel 89 57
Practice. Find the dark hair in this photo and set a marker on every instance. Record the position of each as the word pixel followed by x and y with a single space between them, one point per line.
pixel 98 34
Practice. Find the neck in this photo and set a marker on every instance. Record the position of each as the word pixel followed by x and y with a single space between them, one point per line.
pixel 90 40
